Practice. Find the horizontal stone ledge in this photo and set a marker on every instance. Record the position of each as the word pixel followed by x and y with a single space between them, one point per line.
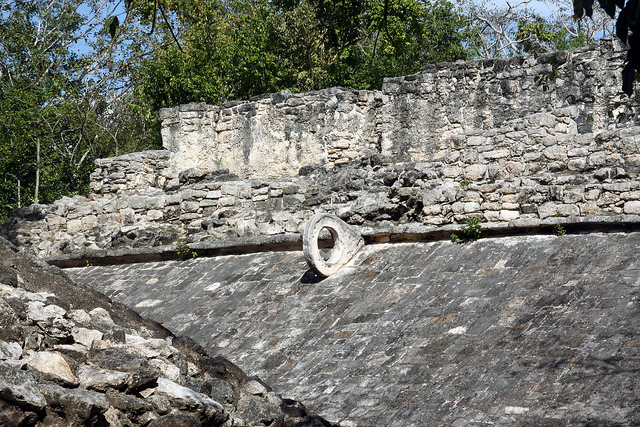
pixel 385 232
pixel 572 224
pixel 129 255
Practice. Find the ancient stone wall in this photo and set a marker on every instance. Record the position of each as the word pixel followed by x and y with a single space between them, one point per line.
pixel 526 169
pixel 276 134
pixel 144 172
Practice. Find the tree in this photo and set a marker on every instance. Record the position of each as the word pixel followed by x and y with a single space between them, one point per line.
pixel 627 30
pixel 56 111
pixel 516 29
pixel 238 49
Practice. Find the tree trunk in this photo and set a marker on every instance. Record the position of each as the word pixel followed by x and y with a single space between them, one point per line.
pixel 35 197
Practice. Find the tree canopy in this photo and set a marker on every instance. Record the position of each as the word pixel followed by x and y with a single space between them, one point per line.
pixel 241 48
pixel 56 108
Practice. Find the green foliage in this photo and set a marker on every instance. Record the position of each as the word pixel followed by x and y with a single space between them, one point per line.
pixel 472 230
pixel 54 119
pixel 539 36
pixel 239 49
pixel 183 250
pixel 513 29
pixel 559 230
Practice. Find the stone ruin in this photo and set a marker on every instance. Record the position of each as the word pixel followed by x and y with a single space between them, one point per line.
pixel 533 145
pixel 515 142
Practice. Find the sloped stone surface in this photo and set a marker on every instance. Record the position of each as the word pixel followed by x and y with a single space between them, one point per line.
pixel 528 330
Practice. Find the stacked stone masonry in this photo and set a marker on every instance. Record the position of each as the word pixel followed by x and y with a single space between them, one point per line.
pixel 276 134
pixel 542 164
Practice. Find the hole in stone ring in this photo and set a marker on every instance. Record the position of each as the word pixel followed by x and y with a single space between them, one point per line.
pixel 329 245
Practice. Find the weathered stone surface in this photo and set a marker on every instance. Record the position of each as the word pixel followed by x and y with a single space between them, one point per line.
pixel 20 388
pixel 78 406
pixel 186 399
pixel 175 420
pixel 13 416
pixel 528 330
pixel 86 336
pixel 524 331
pixel 10 350
pixel 52 366
pixel 95 378
pixel 140 374
pixel 462 142
pixel 406 118
pixel 258 412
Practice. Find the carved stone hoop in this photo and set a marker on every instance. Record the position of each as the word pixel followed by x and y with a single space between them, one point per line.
pixel 346 243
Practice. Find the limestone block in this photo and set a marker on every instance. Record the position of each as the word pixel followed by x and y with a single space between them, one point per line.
pixel 632 207
pixel 452 172
pixel 491 215
pixel 631 195
pixel 127 215
pixel 10 350
pixel 617 187
pixel 185 397
pixel 469 207
pixel 189 206
pixel 577 164
pixel 20 387
pixel 568 210
pixel 592 194
pixel 86 336
pixel 597 159
pixel 496 154
pixel 476 140
pixel 572 196
pixel 547 210
pixel 108 219
pixel 226 201
pixel 475 172
pixel 89 222
pixel 555 152
pixel 515 168
pixel 74 226
pixel 457 207
pixel 52 366
pixel 432 209
pixel 578 152
pixel 208 202
pixel 509 215
pixel 589 209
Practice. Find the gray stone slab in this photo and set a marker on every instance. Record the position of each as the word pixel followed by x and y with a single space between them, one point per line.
pixel 528 330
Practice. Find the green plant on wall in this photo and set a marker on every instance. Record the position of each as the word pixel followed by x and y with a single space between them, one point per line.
pixel 559 230
pixel 472 230
pixel 183 250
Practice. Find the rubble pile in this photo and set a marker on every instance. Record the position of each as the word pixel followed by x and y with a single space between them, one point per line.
pixel 69 356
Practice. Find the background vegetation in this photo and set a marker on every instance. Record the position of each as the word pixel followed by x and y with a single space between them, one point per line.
pixel 80 80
